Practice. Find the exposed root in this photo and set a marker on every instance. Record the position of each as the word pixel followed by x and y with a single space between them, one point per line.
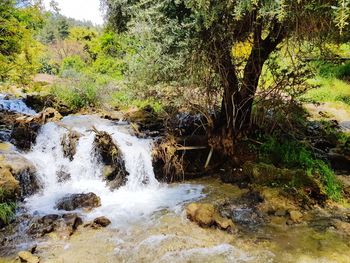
pixel 165 156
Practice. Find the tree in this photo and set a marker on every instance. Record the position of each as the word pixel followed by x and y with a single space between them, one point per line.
pixel 18 21
pixel 210 29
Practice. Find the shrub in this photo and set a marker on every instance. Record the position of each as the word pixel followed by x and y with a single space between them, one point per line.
pixel 74 62
pixel 80 90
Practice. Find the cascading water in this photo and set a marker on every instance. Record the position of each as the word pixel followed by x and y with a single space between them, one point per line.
pixel 133 202
pixel 14 105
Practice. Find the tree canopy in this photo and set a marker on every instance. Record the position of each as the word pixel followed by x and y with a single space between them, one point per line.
pixel 203 33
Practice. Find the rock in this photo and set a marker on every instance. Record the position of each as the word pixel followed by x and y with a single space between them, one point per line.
pixel 339 161
pixel 115 172
pixel 205 215
pixel 69 144
pixel 342 227
pixel 40 102
pixel 74 201
pixel 23 171
pixel 102 221
pixel 112 115
pixel 295 216
pixel 146 120
pixel 267 174
pixel 26 128
pixel 9 186
pixel 63 225
pixel 62 176
pixel 280 212
pixel 26 256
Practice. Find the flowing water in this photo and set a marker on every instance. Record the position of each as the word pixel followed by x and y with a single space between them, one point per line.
pixel 136 201
pixel 148 222
pixel 14 105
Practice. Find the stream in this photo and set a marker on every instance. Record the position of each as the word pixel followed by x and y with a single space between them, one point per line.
pixel 148 222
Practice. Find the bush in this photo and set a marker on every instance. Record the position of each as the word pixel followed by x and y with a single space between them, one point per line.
pixel 109 66
pixel 80 90
pixel 74 62
pixel 293 154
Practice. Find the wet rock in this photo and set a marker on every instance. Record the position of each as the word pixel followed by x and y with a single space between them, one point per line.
pixel 102 221
pixel 295 216
pixel 39 102
pixel 75 201
pixel 62 225
pixel 339 161
pixel 69 144
pixel 115 172
pixel 9 186
pixel 7 120
pixel 26 128
pixel 235 176
pixel 206 215
pixel 23 171
pixel 342 227
pixel 62 176
pixel 26 256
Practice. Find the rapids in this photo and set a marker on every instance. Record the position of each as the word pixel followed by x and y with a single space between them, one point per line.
pixel 134 202
pixel 148 219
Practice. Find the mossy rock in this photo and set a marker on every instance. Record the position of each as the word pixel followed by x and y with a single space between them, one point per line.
pixel 270 175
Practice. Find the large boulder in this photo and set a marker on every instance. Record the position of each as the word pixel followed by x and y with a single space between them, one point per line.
pixel 114 172
pixel 206 215
pixel 26 128
pixel 9 186
pixel 23 171
pixel 75 201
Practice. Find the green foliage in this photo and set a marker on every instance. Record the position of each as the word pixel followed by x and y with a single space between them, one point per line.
pixel 72 63
pixel 7 212
pixel 17 46
pixel 293 154
pixel 80 90
pixel 329 90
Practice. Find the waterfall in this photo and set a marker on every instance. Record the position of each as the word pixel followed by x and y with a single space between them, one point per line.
pixel 138 199
pixel 14 105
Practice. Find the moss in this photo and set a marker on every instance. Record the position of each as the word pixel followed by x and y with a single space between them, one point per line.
pixel 292 154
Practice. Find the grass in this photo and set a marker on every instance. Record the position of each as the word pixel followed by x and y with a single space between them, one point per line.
pixel 293 154
pixel 329 90
pixel 7 212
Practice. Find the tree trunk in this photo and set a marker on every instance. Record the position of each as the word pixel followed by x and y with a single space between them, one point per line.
pixel 238 98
